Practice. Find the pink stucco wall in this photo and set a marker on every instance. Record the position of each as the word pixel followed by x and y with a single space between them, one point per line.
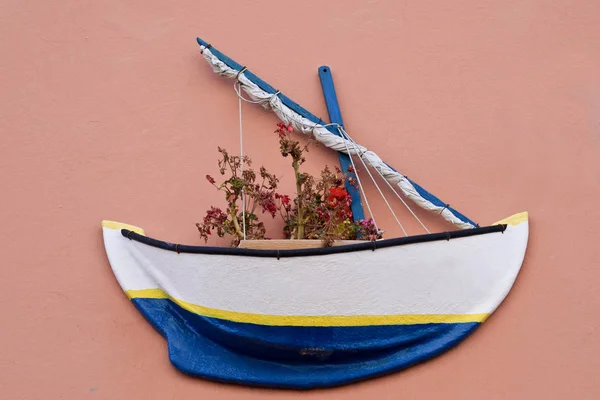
pixel 108 112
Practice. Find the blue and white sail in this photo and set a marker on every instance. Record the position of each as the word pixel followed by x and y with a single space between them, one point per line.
pixel 330 135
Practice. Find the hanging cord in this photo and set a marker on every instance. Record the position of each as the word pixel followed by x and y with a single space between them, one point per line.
pixel 343 134
pixel 390 186
pixel 237 86
pixel 242 161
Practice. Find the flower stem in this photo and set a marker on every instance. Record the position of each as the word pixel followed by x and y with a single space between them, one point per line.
pixel 236 225
pixel 300 231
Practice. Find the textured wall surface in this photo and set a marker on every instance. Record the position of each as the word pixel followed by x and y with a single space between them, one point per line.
pixel 107 111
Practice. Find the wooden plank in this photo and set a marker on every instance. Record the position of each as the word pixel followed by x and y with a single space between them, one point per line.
pixel 289 244
pixel 335 116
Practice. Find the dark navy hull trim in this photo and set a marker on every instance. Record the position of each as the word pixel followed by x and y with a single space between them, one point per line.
pixel 366 245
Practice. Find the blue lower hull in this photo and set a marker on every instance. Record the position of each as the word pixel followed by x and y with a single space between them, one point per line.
pixel 291 356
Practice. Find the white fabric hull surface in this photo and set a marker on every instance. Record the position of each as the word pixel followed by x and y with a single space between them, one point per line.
pixel 320 320
pixel 463 276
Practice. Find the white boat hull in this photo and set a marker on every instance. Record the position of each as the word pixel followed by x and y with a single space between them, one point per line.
pixel 441 285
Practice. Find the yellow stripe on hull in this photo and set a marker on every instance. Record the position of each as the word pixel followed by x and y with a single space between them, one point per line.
pixel 119 225
pixel 301 320
pixel 514 220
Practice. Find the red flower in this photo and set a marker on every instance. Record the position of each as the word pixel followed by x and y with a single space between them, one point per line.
pixel 337 193
pixel 285 199
pixel 271 208
pixel 339 196
pixel 283 129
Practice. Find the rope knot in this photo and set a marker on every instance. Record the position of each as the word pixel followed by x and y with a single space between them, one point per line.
pixel 241 71
pixel 273 96
pixel 208 46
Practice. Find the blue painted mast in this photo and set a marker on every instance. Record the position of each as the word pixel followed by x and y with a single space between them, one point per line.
pixel 335 116
pixel 304 113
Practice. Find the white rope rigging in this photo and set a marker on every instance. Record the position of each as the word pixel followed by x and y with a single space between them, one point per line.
pixel 324 136
pixel 242 166
pixel 391 187
pixel 362 190
pixel 343 133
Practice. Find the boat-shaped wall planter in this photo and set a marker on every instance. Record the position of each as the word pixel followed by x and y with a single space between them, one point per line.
pixel 317 317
